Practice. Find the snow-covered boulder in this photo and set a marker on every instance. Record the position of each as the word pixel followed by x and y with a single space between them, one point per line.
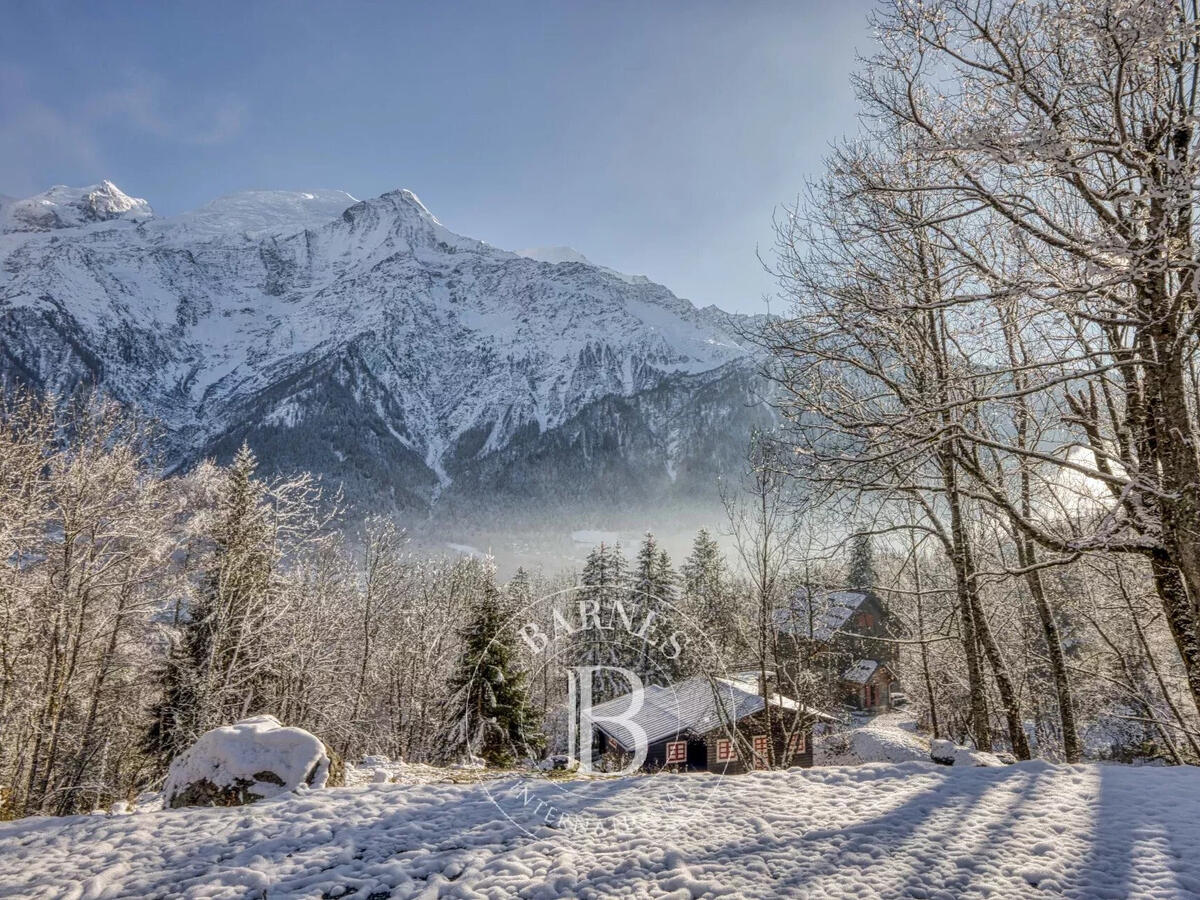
pixel 942 752
pixel 558 762
pixel 947 753
pixel 250 760
pixel 888 738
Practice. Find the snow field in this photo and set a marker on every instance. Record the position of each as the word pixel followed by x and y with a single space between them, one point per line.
pixel 908 830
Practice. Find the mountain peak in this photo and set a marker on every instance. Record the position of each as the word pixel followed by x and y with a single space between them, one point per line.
pixel 71 207
pixel 403 198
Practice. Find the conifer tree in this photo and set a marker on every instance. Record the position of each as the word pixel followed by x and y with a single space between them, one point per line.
pixel 519 590
pixel 604 583
pixel 213 675
pixel 495 720
pixel 709 602
pixel 653 594
pixel 860 573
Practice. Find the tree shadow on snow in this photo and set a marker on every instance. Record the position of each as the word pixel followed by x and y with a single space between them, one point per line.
pixel 957 801
pixel 1143 835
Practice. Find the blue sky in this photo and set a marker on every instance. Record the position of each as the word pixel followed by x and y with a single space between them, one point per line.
pixel 655 137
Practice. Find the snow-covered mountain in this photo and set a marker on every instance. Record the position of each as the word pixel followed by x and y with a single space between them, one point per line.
pixel 366 341
pixel 558 255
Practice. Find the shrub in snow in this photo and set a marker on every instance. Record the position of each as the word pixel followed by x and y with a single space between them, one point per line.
pixel 251 760
pixel 947 753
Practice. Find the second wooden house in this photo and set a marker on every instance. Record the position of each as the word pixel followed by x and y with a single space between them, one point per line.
pixel 851 634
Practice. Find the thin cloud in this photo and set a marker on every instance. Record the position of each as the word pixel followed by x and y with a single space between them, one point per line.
pixel 35 134
pixel 147 102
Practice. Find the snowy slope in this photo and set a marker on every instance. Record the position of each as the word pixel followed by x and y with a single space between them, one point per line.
pixel 910 830
pixel 259 213
pixel 364 340
pixel 889 737
pixel 557 255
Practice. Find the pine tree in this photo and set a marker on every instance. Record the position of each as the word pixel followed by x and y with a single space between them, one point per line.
pixel 709 602
pixel 519 590
pixel 653 594
pixel 860 574
pixel 212 676
pixel 604 583
pixel 490 696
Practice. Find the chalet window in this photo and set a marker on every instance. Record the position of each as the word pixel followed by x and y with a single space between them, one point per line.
pixel 760 751
pixel 796 743
pixel 676 752
pixel 725 750
pixel 865 620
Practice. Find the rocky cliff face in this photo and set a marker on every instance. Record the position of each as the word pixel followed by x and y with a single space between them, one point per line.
pixel 429 373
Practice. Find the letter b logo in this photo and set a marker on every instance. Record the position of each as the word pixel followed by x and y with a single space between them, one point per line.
pixel 581 730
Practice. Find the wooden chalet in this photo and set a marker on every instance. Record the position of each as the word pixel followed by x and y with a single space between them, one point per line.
pixel 714 725
pixel 852 633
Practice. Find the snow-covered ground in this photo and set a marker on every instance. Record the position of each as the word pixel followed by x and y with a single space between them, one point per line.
pixel 381 770
pixel 907 830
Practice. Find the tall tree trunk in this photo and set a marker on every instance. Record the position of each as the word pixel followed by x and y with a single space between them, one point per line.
pixel 1177 605
pixel 1004 684
pixel 968 590
pixel 925 674
pixel 1158 677
pixel 980 727
pixel 69 800
pixel 1027 556
pixel 1027 550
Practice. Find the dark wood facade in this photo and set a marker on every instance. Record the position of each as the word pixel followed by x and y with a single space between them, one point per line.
pixel 704 752
pixel 875 694
pixel 779 755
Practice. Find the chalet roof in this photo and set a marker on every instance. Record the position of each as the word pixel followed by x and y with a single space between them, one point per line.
pixel 824 612
pixel 694 706
pixel 861 671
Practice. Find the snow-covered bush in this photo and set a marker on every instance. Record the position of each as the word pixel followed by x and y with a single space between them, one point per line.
pixel 251 760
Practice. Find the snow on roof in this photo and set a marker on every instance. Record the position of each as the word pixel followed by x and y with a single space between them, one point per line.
pixel 861 671
pixel 819 616
pixel 695 706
